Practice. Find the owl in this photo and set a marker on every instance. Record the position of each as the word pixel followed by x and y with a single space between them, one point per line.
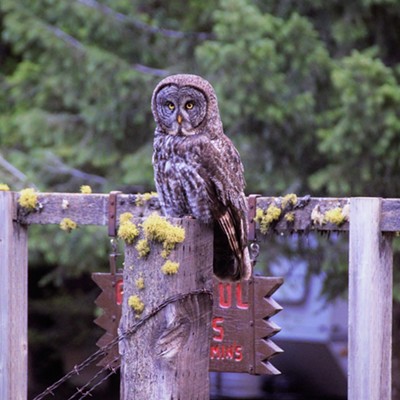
pixel 198 171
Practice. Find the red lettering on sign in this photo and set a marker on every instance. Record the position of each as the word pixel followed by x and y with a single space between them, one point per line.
pixel 218 329
pixel 228 352
pixel 221 352
pixel 239 301
pixel 225 296
pixel 225 301
pixel 238 353
pixel 214 352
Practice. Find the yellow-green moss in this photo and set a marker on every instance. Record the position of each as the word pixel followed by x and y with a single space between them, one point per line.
pixel 86 189
pixel 139 282
pixel 289 217
pixel 28 198
pixel 136 304
pixel 170 267
pixel 335 216
pixel 127 230
pixel 68 225
pixel 4 187
pixel 142 198
pixel 125 217
pixel 266 217
pixel 157 228
pixel 165 253
pixel 289 199
pixel 143 248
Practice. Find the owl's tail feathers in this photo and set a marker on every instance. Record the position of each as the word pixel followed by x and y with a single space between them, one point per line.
pixel 231 255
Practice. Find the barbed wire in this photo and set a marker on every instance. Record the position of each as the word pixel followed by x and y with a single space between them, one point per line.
pixel 105 349
pixel 88 384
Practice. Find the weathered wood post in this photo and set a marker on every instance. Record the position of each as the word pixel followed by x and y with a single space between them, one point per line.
pixel 13 302
pixel 370 303
pixel 168 358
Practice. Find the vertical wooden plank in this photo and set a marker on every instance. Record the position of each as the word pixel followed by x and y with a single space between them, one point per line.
pixel 168 358
pixel 13 302
pixel 370 303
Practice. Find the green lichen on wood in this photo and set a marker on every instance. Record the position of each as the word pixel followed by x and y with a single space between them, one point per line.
pixel 86 189
pixel 265 218
pixel 28 199
pixel 143 248
pixel 336 216
pixel 136 304
pixel 290 217
pixel 125 217
pixel 289 200
pixel 68 225
pixel 159 229
pixel 127 230
pixel 141 199
pixel 139 283
pixel 170 268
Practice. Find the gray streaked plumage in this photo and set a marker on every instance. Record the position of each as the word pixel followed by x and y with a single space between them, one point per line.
pixel 197 169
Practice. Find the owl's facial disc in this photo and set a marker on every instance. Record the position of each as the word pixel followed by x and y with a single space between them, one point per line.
pixel 181 110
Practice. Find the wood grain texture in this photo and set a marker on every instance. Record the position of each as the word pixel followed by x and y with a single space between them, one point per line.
pixel 13 302
pixel 91 209
pixel 84 209
pixel 168 357
pixel 370 303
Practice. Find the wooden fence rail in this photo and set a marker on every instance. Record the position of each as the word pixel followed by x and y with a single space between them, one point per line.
pixel 372 223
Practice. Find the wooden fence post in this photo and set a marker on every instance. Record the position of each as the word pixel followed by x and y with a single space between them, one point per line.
pixel 370 303
pixel 13 302
pixel 168 358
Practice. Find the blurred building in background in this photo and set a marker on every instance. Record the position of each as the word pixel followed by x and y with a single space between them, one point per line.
pixel 314 340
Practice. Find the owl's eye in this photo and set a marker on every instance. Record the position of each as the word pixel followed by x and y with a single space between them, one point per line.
pixel 170 105
pixel 189 105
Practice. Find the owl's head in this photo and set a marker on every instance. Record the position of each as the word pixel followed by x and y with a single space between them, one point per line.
pixel 185 105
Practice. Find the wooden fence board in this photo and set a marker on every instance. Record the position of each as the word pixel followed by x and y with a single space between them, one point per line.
pixel 13 303
pixel 168 358
pixel 370 303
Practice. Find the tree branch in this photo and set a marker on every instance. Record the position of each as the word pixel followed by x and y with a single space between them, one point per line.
pixel 60 167
pixel 76 44
pixel 65 37
pixel 142 25
pixel 14 171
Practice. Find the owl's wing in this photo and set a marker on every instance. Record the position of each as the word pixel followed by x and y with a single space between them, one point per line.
pixel 225 187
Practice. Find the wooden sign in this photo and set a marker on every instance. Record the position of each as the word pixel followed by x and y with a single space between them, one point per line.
pixel 241 329
pixel 110 301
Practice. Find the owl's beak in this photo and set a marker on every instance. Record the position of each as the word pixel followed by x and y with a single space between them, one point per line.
pixel 179 119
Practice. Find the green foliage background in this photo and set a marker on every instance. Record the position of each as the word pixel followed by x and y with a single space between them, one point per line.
pixel 309 91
